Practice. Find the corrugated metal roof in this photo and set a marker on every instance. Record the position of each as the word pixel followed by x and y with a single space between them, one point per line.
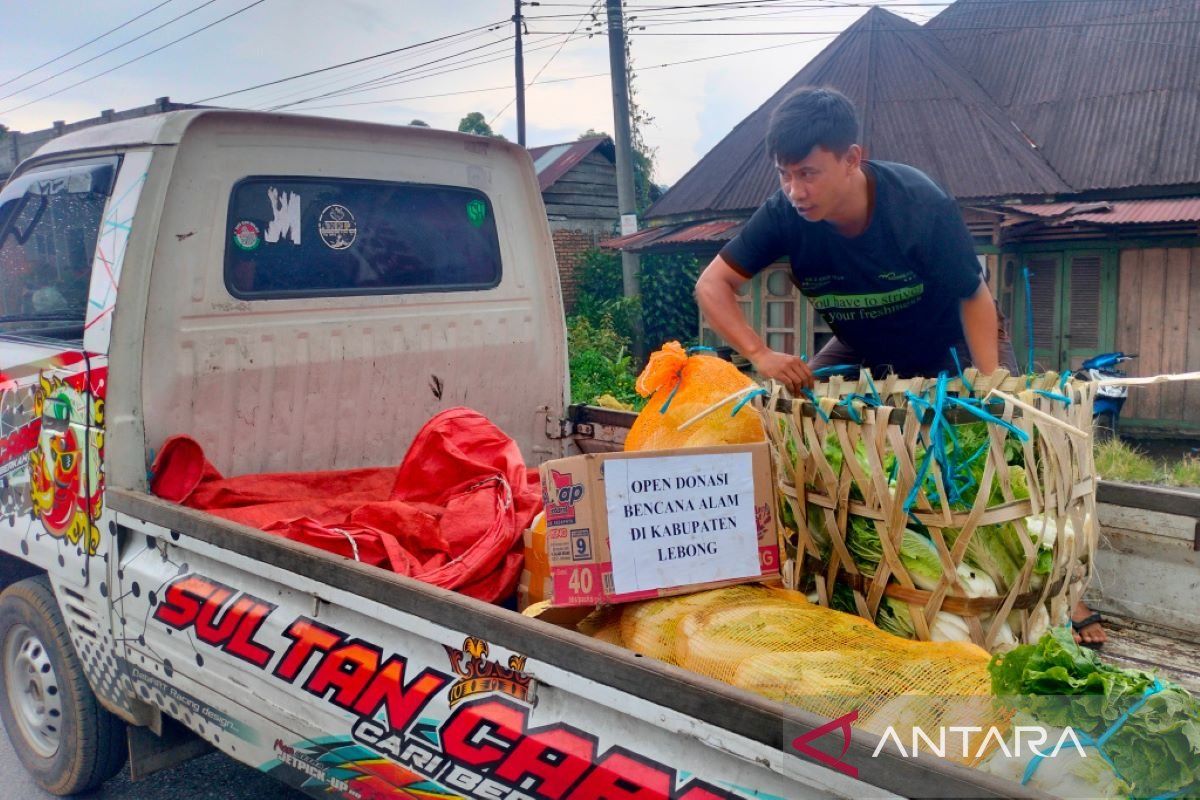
pixel 996 99
pixel 552 161
pixel 1109 90
pixel 1122 212
pixel 714 231
pixel 917 107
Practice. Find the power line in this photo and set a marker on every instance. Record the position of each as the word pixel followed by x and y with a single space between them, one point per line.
pixel 384 80
pixel 346 63
pixel 446 69
pixel 230 15
pixel 359 71
pixel 109 50
pixel 590 12
pixel 572 78
pixel 85 44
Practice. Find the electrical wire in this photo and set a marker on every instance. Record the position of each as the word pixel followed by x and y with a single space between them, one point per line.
pixel 88 42
pixel 110 50
pixel 230 15
pixel 591 12
pixel 571 78
pixel 344 64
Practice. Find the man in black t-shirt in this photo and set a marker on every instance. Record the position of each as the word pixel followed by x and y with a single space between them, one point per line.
pixel 878 248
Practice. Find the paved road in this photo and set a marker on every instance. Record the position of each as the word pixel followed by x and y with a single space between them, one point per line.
pixel 210 777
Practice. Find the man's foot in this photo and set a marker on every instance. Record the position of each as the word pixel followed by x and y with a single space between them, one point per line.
pixel 1085 624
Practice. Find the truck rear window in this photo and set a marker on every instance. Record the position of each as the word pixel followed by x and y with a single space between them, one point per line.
pixel 313 237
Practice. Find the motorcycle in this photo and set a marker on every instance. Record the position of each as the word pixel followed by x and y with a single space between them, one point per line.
pixel 1106 411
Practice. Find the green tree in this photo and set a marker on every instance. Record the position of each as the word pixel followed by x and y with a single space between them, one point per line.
pixel 420 123
pixel 476 123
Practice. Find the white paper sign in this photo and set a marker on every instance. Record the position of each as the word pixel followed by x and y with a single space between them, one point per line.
pixel 678 520
pixel 628 224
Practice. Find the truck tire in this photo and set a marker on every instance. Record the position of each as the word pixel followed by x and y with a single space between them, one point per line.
pixel 64 738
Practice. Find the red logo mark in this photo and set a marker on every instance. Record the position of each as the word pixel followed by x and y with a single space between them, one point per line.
pixel 842 723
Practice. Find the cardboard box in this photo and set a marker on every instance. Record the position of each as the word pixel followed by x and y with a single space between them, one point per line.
pixel 639 525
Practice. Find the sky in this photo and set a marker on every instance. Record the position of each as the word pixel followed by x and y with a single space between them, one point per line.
pixel 452 57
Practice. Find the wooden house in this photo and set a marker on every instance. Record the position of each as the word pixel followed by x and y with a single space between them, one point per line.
pixel 1068 133
pixel 579 187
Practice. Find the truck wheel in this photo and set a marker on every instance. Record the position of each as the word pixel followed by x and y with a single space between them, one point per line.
pixel 62 735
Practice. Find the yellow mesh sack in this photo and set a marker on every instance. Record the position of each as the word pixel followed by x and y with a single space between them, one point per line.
pixel 777 644
pixel 649 627
pixel 686 386
pixel 604 624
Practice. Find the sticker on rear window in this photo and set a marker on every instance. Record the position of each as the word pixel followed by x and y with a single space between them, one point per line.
pixel 476 212
pixel 246 235
pixel 336 227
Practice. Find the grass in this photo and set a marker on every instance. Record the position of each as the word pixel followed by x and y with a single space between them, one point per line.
pixel 1118 461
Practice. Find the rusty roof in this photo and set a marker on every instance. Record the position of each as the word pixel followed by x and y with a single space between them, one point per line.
pixel 663 236
pixel 917 107
pixel 1109 90
pixel 552 161
pixel 1119 212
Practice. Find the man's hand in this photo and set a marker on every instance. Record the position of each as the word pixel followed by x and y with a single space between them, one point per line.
pixel 716 294
pixel 982 329
pixel 791 371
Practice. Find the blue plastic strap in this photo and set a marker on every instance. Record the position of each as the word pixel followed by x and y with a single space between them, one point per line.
pixel 699 348
pixel 671 396
pixel 1062 381
pixel 958 366
pixel 747 399
pixel 1062 398
pixel 874 392
pixel 1099 743
pixel 813 398
pixel 1151 690
pixel 986 417
pixel 836 369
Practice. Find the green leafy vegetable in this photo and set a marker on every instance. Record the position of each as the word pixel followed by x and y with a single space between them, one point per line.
pixel 1156 750
pixel 918 555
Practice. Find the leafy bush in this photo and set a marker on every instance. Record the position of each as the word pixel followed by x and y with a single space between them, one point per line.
pixel 600 362
pixel 667 308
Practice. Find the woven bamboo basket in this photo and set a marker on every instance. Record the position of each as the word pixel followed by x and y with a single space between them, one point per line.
pixel 891 477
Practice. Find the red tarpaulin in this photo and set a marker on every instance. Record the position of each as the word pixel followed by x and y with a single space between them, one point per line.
pixel 451 515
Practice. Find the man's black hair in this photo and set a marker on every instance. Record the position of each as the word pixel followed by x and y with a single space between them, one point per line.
pixel 811 117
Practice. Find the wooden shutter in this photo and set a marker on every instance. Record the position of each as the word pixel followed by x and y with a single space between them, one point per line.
pixel 1043 284
pixel 1083 315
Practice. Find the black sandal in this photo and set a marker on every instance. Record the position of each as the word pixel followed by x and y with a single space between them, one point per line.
pixel 1091 619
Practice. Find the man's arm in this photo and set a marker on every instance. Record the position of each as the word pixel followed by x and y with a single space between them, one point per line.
pixel 982 329
pixel 716 294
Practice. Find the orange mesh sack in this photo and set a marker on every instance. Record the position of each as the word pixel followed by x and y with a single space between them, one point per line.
pixel 682 387
pixel 777 644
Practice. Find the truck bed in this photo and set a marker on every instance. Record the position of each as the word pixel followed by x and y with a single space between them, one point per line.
pixel 1140 645
pixel 735 711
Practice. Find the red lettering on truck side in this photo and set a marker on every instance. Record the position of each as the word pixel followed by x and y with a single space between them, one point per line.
pixel 197 602
pixel 556 756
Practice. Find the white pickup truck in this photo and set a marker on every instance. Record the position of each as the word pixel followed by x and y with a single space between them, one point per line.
pixel 303 294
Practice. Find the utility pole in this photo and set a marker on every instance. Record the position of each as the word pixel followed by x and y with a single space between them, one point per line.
pixel 626 196
pixel 519 23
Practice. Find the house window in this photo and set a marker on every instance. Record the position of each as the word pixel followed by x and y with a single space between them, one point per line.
pixel 781 317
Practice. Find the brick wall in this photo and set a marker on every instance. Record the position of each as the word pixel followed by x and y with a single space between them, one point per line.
pixel 569 246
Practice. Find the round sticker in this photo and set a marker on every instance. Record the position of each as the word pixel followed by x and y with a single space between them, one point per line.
pixel 337 227
pixel 246 235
